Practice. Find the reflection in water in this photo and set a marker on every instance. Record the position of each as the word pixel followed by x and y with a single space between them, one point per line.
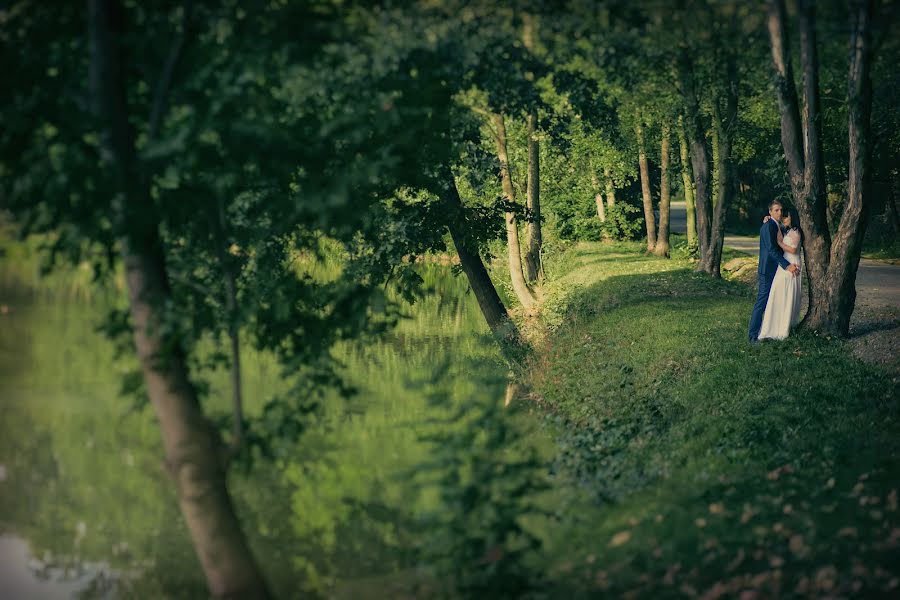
pixel 23 577
pixel 83 484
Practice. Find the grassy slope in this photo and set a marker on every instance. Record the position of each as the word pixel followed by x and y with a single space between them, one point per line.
pixel 712 466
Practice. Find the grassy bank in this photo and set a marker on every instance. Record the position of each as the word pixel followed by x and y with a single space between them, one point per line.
pixel 712 467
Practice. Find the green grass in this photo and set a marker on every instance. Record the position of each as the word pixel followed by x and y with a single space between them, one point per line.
pixel 710 465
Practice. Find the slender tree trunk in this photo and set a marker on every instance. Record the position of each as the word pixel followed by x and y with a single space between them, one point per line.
pixel 610 187
pixel 533 195
pixel 194 455
pixel 598 196
pixel 699 154
pixel 488 300
pixel 662 240
pixel 520 286
pixel 725 132
pixel 831 268
pixel 714 144
pixel 687 184
pixel 649 219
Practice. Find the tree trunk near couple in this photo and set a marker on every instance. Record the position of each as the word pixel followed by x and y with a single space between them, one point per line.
pixel 831 265
pixel 193 448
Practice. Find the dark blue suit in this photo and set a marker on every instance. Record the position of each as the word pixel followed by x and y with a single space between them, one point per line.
pixel 770 256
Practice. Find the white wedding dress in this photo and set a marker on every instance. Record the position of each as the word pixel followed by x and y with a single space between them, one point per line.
pixel 783 306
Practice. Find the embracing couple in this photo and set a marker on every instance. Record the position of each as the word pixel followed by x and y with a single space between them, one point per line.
pixel 777 307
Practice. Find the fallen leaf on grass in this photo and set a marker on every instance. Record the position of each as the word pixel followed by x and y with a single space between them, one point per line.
pixel 620 538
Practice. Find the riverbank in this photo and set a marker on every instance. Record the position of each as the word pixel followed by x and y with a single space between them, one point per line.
pixel 716 466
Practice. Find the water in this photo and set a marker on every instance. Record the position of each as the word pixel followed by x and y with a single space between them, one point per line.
pixel 87 510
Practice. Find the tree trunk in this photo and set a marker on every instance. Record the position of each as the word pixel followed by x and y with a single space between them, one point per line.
pixel 714 144
pixel 194 455
pixel 831 269
pixel 699 154
pixel 662 240
pixel 649 219
pixel 520 286
pixel 840 286
pixel 533 201
pixel 687 184
pixel 488 300
pixel 725 133
pixel 598 196
pixel 610 187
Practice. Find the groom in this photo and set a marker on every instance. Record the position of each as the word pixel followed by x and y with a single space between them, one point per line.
pixel 770 256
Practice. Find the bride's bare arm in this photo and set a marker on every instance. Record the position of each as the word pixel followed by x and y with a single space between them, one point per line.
pixel 786 247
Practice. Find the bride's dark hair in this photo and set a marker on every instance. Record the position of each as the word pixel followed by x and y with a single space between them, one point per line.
pixel 795 221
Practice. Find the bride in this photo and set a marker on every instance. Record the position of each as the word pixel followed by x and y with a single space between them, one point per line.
pixel 783 306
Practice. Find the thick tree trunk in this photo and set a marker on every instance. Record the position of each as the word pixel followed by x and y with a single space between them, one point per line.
pixel 520 286
pixel 662 240
pixel 610 187
pixel 649 219
pixel 831 269
pixel 801 147
pixel 840 285
pixel 488 300
pixel 533 201
pixel 194 455
pixel 687 183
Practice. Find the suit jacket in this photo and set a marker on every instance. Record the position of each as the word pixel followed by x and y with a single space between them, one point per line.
pixel 770 253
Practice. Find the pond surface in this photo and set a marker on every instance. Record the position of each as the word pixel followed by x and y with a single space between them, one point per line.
pixel 86 509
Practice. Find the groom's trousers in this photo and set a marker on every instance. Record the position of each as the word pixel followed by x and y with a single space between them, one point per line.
pixel 759 309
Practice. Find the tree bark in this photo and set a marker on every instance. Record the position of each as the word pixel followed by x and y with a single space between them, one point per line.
pixel 662 240
pixel 699 155
pixel 649 219
pixel 598 196
pixel 533 202
pixel 194 455
pixel 831 269
pixel 725 133
pixel 489 301
pixel 847 245
pixel 520 286
pixel 687 184
pixel 610 187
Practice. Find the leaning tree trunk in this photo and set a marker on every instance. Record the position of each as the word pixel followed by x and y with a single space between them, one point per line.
pixel 520 286
pixel 485 293
pixel 649 219
pixel 194 453
pixel 662 240
pixel 687 184
pixel 610 187
pixel 533 201
pixel 831 269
